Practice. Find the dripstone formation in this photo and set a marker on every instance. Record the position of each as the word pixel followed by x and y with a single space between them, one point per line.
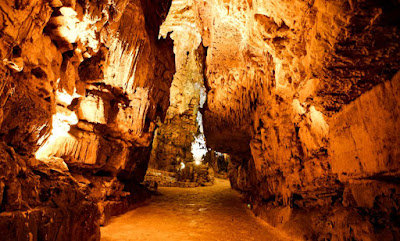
pixel 301 94
pixel 82 83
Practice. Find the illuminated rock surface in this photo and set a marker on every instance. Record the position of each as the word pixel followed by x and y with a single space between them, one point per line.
pixel 178 141
pixel 82 83
pixel 302 95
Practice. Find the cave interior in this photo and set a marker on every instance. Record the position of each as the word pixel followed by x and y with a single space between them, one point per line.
pixel 287 108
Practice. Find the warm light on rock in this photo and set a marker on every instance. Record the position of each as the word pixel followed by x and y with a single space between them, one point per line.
pixel 92 109
pixel 105 103
pixel 64 98
pixel 118 63
pixel 318 121
pixel 60 127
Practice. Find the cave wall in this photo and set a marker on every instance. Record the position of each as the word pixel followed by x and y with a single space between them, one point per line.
pixel 173 142
pixel 82 83
pixel 314 104
pixel 303 96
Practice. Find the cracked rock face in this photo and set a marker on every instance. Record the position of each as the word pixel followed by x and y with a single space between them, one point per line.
pixel 302 95
pixel 82 83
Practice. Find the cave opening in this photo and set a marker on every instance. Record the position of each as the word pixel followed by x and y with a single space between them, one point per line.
pixel 199 120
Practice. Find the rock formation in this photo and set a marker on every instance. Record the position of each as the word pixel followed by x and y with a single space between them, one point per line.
pixel 82 83
pixel 302 95
pixel 175 138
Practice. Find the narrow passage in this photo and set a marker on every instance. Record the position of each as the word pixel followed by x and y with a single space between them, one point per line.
pixel 185 214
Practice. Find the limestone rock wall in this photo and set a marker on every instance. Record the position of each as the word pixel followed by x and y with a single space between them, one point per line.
pixel 175 135
pixel 307 117
pixel 173 142
pixel 302 95
pixel 82 83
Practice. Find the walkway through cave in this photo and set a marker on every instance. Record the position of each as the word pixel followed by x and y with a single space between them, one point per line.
pixel 203 213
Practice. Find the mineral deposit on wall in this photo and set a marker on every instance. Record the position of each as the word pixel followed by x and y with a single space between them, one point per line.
pixel 302 95
pixel 81 85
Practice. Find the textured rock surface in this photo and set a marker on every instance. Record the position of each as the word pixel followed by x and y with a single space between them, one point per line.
pixel 191 176
pixel 81 83
pixel 173 142
pixel 41 201
pixel 219 163
pixel 301 95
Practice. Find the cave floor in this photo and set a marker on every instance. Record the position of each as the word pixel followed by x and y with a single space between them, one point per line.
pixel 202 213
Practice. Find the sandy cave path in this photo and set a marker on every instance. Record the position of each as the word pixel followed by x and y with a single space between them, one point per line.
pixel 185 214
